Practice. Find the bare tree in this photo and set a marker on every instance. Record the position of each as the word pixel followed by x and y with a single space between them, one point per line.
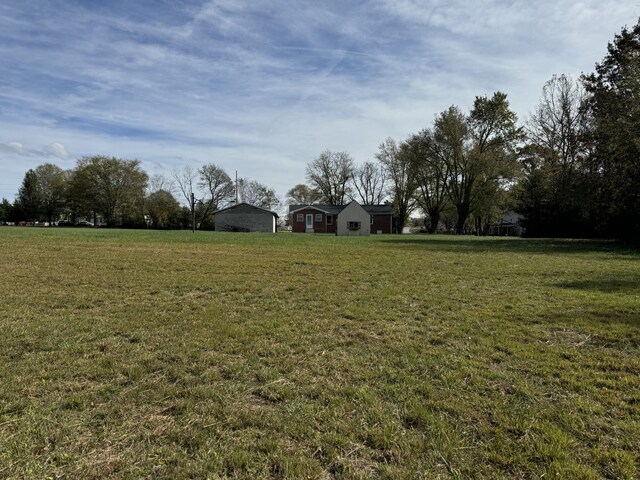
pixel 186 182
pixel 331 173
pixel 218 189
pixel 159 182
pixel 369 180
pixel 397 164
pixel 560 122
pixel 556 195
pixel 257 194
pixel 204 190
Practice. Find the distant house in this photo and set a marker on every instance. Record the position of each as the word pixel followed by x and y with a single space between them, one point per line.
pixel 351 219
pixel 245 218
pixel 508 226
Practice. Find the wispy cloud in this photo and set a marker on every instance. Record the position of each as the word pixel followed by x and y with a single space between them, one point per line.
pixel 56 150
pixel 263 86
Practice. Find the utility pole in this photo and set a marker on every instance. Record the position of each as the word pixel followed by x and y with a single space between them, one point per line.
pixel 193 213
pixel 236 187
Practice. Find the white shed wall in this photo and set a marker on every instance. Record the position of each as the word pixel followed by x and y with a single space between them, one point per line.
pixel 353 213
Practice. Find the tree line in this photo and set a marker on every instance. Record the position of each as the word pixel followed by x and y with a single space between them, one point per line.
pixel 119 192
pixel 572 169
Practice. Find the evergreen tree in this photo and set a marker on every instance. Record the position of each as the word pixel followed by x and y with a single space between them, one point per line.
pixel 6 211
pixel 29 200
pixel 615 108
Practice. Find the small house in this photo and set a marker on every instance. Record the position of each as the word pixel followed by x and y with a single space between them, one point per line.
pixel 365 219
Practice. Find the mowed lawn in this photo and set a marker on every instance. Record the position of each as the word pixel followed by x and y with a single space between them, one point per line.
pixel 135 354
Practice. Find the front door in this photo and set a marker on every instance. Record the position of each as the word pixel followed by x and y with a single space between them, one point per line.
pixel 309 222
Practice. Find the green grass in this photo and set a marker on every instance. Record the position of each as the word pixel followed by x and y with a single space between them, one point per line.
pixel 133 354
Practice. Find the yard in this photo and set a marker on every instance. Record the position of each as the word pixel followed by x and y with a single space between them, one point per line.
pixel 135 354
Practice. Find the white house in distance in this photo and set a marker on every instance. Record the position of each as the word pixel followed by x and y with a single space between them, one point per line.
pixel 509 225
pixel 244 217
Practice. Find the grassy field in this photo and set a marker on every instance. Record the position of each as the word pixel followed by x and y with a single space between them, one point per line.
pixel 133 354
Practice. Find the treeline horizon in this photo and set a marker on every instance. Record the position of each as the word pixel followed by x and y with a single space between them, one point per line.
pixel 120 193
pixel 572 169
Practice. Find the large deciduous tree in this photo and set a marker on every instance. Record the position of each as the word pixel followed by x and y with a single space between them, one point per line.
pixel 459 170
pixel 396 161
pixel 483 154
pixel 217 187
pixel 429 152
pixel 164 209
pixel 495 138
pixel 51 182
pixel 331 173
pixel 110 186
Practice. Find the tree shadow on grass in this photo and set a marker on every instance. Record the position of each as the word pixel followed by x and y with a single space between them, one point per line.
pixel 605 285
pixel 624 308
pixel 469 244
pixel 599 318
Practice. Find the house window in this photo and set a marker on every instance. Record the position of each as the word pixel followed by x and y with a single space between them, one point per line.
pixel 329 219
pixel 318 217
pixel 353 225
pixel 299 217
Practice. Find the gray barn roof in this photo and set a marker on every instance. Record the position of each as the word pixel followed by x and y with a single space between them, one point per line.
pixel 244 204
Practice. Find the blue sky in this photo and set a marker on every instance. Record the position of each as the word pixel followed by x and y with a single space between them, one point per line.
pixel 263 87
